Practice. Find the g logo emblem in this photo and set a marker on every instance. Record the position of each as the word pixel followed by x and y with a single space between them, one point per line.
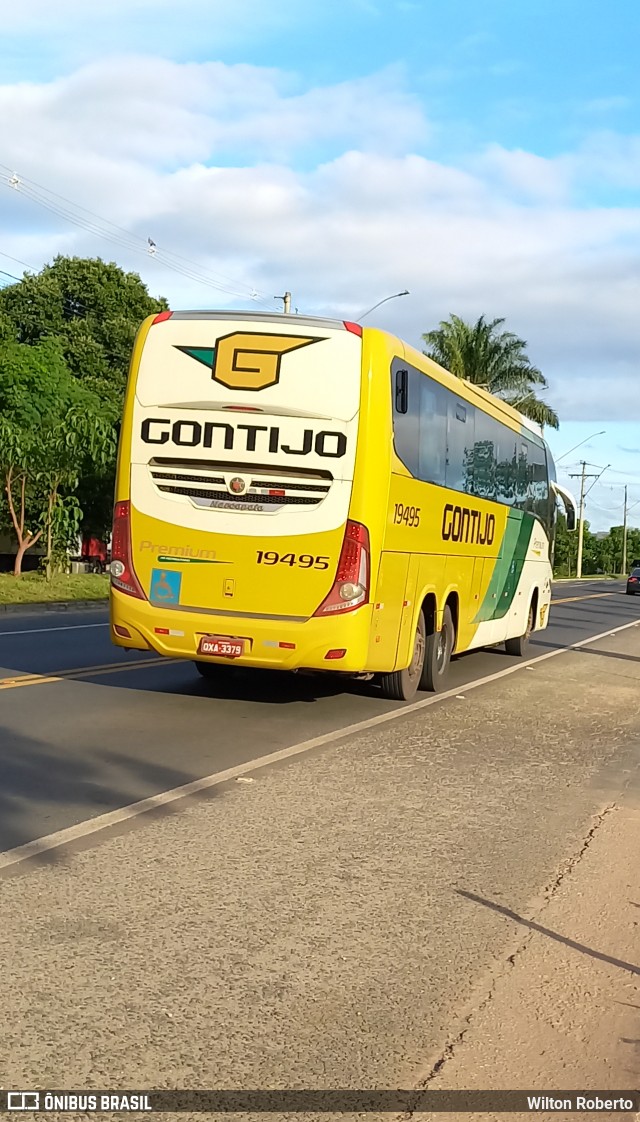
pixel 237 485
pixel 252 362
pixel 247 361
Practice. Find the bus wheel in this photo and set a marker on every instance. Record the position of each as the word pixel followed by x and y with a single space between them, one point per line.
pixel 519 647
pixel 402 685
pixel 438 655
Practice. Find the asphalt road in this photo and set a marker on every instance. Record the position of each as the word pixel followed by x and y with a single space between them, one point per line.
pixel 449 895
pixel 117 728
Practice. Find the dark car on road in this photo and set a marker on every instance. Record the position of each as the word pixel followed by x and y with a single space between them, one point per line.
pixel 633 582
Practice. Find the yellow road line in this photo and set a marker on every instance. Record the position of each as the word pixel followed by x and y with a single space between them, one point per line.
pixel 24 680
pixel 100 824
pixel 589 596
pixel 83 672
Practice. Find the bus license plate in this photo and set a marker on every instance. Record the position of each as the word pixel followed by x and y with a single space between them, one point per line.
pixel 223 646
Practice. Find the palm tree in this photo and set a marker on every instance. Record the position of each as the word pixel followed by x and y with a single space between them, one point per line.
pixel 493 359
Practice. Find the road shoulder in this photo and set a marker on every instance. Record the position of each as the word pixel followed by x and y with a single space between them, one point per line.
pixel 562 1009
pixel 319 923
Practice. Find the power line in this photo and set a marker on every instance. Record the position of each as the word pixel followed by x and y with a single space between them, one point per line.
pixel 9 275
pixel 17 261
pixel 18 280
pixel 583 476
pixel 616 471
pixel 59 205
pixel 92 223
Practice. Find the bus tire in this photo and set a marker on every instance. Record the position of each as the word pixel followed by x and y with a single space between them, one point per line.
pixel 403 685
pixel 439 647
pixel 520 646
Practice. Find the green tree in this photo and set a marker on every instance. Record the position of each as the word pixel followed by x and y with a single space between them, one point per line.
pixel 92 307
pixel 566 550
pixel 78 436
pixel 494 359
pixel 564 559
pixel 50 426
pixel 609 550
pixel 633 546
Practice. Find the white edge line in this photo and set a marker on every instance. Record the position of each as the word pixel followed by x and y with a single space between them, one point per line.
pixel 67 627
pixel 165 798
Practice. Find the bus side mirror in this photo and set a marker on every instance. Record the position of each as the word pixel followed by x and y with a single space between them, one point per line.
pixel 568 502
pixel 402 380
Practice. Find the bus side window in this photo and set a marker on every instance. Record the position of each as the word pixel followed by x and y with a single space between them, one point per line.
pixel 485 448
pixel 538 490
pixel 522 489
pixel 433 432
pixel 460 445
pixel 507 466
pixel 405 384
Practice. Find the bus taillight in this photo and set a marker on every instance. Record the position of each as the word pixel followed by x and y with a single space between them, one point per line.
pixel 351 586
pixel 123 575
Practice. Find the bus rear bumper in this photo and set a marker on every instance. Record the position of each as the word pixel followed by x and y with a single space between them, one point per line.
pixel 312 644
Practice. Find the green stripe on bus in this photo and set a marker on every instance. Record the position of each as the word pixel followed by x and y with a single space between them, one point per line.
pixel 508 567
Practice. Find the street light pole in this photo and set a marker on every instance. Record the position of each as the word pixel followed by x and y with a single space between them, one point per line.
pixel 583 478
pixel 394 297
pixel 565 454
pixel 581 523
pixel 287 302
pixel 627 510
pixel 624 533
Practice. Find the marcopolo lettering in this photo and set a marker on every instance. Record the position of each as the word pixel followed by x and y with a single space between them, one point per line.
pixel 464 524
pixel 248 438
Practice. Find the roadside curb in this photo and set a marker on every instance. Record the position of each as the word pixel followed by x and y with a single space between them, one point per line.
pixel 586 580
pixel 53 606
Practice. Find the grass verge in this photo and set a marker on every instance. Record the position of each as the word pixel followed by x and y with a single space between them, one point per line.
pixel 32 588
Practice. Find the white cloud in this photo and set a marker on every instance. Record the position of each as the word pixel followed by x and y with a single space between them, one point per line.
pixel 610 159
pixel 320 191
pixel 166 114
pixel 529 176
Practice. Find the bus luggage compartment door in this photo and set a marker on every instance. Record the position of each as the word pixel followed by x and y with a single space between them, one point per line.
pixel 393 610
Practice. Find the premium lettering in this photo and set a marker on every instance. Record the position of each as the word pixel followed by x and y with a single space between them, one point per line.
pixel 178 550
pixel 243 438
pixel 464 524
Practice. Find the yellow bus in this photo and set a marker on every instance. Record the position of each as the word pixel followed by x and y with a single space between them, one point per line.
pixel 304 494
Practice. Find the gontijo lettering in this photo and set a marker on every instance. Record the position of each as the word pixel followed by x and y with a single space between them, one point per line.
pixel 464 524
pixel 212 434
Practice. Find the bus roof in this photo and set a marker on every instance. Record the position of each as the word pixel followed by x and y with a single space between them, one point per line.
pixel 272 317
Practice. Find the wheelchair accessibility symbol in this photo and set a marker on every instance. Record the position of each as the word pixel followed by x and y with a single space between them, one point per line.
pixel 165 586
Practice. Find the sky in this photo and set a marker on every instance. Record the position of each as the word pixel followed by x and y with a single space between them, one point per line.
pixel 484 156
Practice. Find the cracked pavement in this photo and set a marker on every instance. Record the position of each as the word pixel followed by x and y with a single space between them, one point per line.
pixel 445 901
pixel 563 1009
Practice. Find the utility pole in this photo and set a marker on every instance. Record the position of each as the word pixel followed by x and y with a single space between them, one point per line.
pixel 287 302
pixel 583 478
pixel 624 534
